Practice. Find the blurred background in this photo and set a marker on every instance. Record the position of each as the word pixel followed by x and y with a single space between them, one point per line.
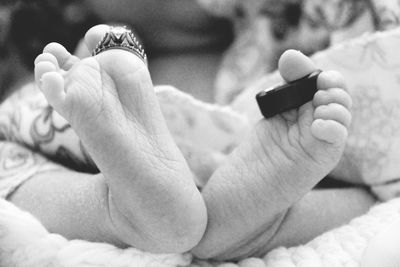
pixel 212 49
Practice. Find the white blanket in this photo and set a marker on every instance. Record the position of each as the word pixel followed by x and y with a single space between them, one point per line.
pixel 24 242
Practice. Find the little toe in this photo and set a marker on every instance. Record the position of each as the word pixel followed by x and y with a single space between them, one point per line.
pixel 52 86
pixel 329 131
pixel 331 79
pixel 294 65
pixel 332 95
pixel 46 57
pixel 334 112
pixel 64 58
pixel 43 67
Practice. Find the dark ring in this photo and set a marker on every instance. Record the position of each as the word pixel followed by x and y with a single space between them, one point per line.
pixel 121 38
pixel 288 96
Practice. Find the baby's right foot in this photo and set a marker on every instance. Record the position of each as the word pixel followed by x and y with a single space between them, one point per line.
pixel 284 157
pixel 109 101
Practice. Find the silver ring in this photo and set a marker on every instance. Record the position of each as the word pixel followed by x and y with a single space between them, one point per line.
pixel 121 38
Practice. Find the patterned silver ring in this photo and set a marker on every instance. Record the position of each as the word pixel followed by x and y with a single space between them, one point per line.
pixel 121 38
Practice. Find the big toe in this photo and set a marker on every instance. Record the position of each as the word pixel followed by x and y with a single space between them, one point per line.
pixel 120 60
pixel 116 38
pixel 294 65
pixel 94 35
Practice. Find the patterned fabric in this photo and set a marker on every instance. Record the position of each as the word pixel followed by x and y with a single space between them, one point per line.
pixel 18 164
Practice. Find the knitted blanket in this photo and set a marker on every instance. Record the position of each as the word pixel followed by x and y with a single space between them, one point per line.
pixel 370 240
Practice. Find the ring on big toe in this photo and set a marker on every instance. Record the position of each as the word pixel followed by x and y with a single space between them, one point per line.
pixel 121 38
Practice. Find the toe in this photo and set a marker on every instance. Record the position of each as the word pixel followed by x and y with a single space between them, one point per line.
pixel 331 79
pixel 43 67
pixel 334 112
pixel 329 131
pixel 52 86
pixel 46 57
pixel 294 65
pixel 332 95
pixel 64 58
pixel 94 35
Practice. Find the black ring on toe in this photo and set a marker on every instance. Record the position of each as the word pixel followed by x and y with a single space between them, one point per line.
pixel 288 96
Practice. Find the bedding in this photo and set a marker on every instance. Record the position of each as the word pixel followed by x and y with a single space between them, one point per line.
pixel 36 135
pixel 24 242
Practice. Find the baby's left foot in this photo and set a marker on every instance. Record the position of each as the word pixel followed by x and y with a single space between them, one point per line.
pixel 283 158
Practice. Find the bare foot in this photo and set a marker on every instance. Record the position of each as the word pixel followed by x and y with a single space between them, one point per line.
pixel 109 101
pixel 283 158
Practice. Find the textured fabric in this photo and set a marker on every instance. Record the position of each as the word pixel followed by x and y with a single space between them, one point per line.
pixel 24 242
pixel 29 163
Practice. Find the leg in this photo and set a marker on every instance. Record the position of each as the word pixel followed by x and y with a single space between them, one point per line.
pixel 282 160
pixel 110 102
pixel 333 207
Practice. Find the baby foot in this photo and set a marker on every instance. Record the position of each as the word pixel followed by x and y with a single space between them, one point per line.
pixel 109 101
pixel 283 159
